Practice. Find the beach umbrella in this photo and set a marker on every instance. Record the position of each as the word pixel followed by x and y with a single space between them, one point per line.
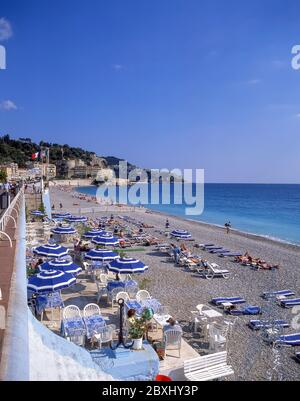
pixel 37 213
pixel 106 239
pixel 181 234
pixel 101 255
pixel 94 233
pixel 51 251
pixel 61 215
pixel 49 281
pixel 67 230
pixel 65 266
pixel 77 219
pixel 127 266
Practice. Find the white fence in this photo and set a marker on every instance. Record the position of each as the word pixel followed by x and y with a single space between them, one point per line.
pixel 11 214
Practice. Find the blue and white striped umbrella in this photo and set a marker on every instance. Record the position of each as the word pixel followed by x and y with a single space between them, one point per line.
pixel 181 234
pixel 51 251
pixel 37 213
pixel 106 239
pixel 127 266
pixel 65 266
pixel 77 219
pixel 63 230
pixel 49 281
pixel 61 215
pixel 101 255
pixel 94 233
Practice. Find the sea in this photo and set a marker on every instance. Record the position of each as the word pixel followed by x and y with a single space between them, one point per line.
pixel 270 210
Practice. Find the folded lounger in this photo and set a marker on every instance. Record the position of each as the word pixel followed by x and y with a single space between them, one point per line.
pixel 247 310
pixel 230 254
pixel 291 340
pixel 282 293
pixel 232 300
pixel 261 324
pixel 289 303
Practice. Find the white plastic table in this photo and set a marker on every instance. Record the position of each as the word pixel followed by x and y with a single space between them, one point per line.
pixel 211 313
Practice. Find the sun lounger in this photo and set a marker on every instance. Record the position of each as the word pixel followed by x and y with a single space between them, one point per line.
pixel 275 294
pixel 297 356
pixel 213 248
pixel 289 303
pixel 205 245
pixel 247 310
pixel 232 300
pixel 261 324
pixel 290 340
pixel 219 251
pixel 230 254
pixel 213 270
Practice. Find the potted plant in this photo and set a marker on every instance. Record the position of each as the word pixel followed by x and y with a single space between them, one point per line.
pixel 138 328
pixel 136 333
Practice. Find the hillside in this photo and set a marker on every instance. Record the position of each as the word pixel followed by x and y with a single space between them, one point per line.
pixel 20 151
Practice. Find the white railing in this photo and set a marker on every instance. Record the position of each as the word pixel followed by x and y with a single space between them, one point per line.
pixel 13 208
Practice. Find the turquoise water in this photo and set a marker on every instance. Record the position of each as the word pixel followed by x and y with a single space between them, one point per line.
pixel 264 209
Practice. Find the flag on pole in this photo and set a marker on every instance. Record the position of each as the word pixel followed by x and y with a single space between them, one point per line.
pixel 35 156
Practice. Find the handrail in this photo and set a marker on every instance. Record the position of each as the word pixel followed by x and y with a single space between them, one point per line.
pixel 7 215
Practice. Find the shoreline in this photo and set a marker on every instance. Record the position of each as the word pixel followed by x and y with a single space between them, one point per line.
pixel 244 234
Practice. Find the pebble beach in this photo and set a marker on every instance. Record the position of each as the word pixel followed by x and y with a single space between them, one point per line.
pixel 181 290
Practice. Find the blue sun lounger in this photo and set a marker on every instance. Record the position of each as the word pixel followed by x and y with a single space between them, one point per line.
pixel 213 248
pixel 274 294
pixel 219 251
pixel 260 324
pixel 289 303
pixel 232 300
pixel 247 310
pixel 290 340
pixel 230 254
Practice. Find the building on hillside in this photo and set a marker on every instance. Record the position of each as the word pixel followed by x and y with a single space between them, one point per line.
pixel 76 168
pixel 11 170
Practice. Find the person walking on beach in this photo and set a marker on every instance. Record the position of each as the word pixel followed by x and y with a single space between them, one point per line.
pixel 167 224
pixel 61 205
pixel 228 227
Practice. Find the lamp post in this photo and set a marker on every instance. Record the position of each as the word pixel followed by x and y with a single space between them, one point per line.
pixel 121 340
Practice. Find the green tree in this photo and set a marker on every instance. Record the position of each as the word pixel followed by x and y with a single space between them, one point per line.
pixel 3 176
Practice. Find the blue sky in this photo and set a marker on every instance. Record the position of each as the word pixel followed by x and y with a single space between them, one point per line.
pixel 175 84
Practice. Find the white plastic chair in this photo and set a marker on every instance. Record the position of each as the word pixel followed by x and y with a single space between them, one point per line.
pixel 173 340
pixel 218 336
pixel 105 335
pixel 101 290
pixel 71 311
pixel 122 295
pixel 113 295
pixel 91 309
pixel 103 279
pixel 142 295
